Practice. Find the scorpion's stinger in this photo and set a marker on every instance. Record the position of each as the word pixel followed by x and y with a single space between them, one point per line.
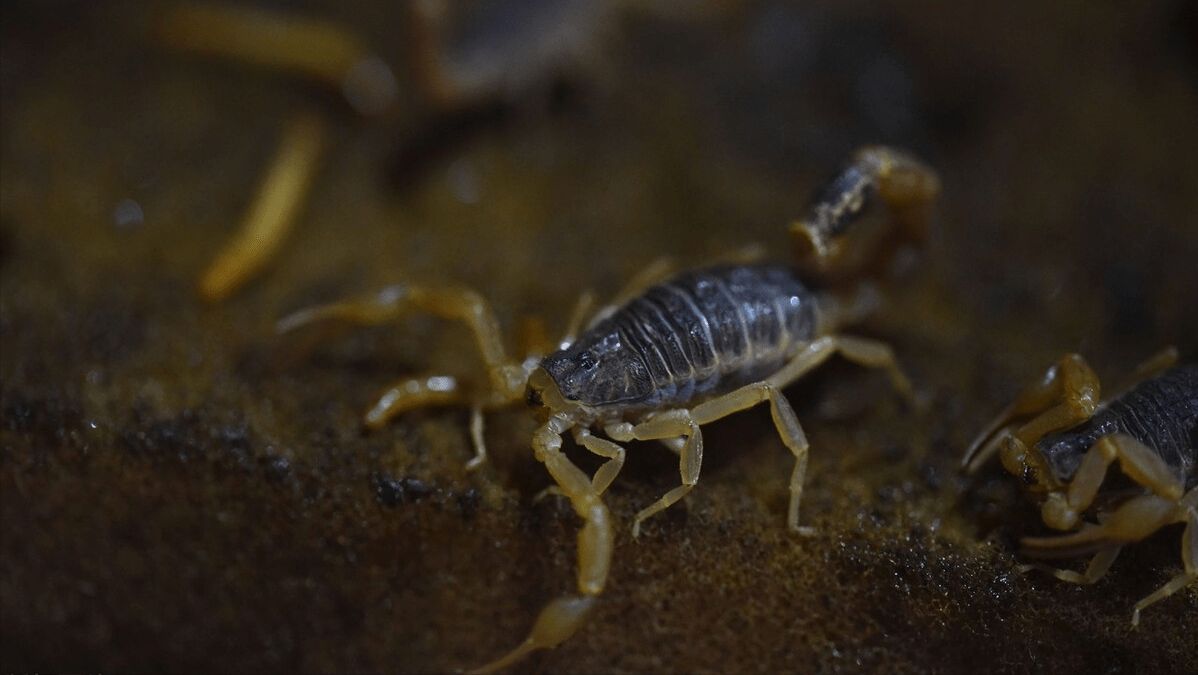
pixel 559 620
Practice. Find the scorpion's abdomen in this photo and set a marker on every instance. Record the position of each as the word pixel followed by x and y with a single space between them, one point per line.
pixel 713 329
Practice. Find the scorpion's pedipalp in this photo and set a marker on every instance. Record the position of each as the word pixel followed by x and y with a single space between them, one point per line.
pixel 1067 394
pixel 461 304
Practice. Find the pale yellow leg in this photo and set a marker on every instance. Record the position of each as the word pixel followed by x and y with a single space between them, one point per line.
pixel 685 423
pixel 785 421
pixel 1138 462
pixel 653 273
pixel 1099 564
pixel 507 377
pixel 670 424
pixel 1132 521
pixel 604 448
pixel 1153 365
pixel 1189 557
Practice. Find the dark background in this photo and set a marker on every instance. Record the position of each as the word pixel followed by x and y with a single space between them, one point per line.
pixel 183 490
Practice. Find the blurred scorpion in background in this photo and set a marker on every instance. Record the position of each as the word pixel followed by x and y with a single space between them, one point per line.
pixel 666 358
pixel 458 56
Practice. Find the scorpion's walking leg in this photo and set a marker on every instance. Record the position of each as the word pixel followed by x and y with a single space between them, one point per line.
pixel 507 377
pixel 1133 520
pixel 1061 509
pixel 685 423
pixel 563 616
pixel 1095 570
pixel 666 425
pixel 1189 557
pixel 604 448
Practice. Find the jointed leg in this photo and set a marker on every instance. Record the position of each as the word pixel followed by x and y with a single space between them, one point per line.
pixel 653 273
pixel 859 350
pixel 1153 365
pixel 669 424
pixel 685 424
pixel 1134 520
pixel 1061 509
pixel 1189 558
pixel 785 421
pixel 1097 568
pixel 394 302
pixel 604 448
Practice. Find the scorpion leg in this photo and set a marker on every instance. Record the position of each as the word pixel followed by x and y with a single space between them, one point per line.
pixel 507 377
pixel 1097 568
pixel 1132 521
pixel 907 187
pixel 1138 461
pixel 654 272
pixel 667 425
pixel 686 423
pixel 1153 365
pixel 604 448
pixel 1189 557
pixel 562 617
pixel 606 473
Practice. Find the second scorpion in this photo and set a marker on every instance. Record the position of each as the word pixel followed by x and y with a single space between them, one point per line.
pixel 676 355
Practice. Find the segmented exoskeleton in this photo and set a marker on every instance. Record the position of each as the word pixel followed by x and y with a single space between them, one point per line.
pixel 1060 441
pixel 674 356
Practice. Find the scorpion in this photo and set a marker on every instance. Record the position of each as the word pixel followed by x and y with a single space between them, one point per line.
pixel 1060 440
pixel 668 357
